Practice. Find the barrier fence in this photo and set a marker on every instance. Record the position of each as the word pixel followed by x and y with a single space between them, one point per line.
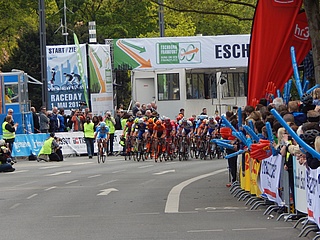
pixel 71 143
pixel 268 179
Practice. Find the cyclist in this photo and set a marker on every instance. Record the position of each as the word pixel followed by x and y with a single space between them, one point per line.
pixel 150 126
pixel 102 136
pixel 170 133
pixel 126 133
pixel 185 128
pixel 141 129
pixel 158 132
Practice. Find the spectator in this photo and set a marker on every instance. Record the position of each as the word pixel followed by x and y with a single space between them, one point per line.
pixel 54 121
pixel 44 120
pixel 5 162
pixel 110 123
pixel 118 120
pixel 204 111
pixel 77 121
pixel 35 117
pixel 136 109
pixel 9 131
pixel 89 129
pixel 62 120
pixel 51 149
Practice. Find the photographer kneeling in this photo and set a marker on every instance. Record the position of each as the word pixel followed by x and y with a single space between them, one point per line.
pixel 52 149
pixel 5 158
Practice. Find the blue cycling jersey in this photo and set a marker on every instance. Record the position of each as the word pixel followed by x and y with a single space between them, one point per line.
pixel 102 132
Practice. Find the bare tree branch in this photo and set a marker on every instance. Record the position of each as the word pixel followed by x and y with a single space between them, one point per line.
pixel 206 12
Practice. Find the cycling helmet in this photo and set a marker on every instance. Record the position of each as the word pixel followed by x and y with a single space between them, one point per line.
pixel 158 122
pixel 201 117
pixel 205 121
pixel 130 119
pixel 191 119
pixel 184 120
pixel 150 121
pixel 211 118
pixel 309 136
pixel 167 120
pixel 102 124
pixel 136 120
pixel 307 99
pixel 140 120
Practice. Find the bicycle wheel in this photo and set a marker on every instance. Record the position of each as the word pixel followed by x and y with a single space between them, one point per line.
pixel 103 156
pixel 98 153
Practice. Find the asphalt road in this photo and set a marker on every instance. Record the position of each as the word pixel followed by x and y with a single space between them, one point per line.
pixel 81 199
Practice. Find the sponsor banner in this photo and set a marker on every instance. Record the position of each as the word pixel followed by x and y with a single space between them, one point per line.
pixel 26 144
pixel 67 78
pixel 255 169
pixel 71 143
pixel 312 194
pixel 182 52
pixel 270 178
pixel 101 83
pixel 299 172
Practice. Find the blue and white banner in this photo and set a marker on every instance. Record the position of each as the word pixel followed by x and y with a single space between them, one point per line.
pixel 270 177
pixel 312 192
pixel 27 144
pixel 71 143
pixel 67 87
pixel 300 200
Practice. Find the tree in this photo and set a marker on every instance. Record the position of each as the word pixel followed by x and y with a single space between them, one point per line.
pixel 312 9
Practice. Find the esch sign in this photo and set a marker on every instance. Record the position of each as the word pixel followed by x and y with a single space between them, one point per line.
pixel 228 51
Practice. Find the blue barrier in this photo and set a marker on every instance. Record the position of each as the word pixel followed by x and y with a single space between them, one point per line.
pixel 270 138
pixel 313 88
pixel 251 133
pixel 301 143
pixel 234 154
pixel 295 71
pixel 239 117
pixel 25 144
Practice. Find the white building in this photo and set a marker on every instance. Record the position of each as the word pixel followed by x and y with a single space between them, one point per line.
pixel 187 72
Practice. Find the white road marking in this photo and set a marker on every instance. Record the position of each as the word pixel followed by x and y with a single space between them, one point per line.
pixel 23 184
pixel 105 192
pixel 248 229
pixel 15 205
pixel 101 184
pixel 19 171
pixel 168 163
pixel 50 188
pixel 67 216
pixel 32 196
pixel 93 176
pixel 205 230
pixel 74 181
pixel 172 204
pixel 164 172
pixel 119 171
pixel 221 211
pixel 146 166
pixel 50 167
pixel 82 163
pixel 59 173
pixel 152 213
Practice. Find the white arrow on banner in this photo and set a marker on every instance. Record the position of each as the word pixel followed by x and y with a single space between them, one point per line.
pixel 105 192
pixel 164 172
pixel 59 173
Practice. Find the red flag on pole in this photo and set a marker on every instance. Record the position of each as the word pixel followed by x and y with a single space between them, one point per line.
pixel 272 29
